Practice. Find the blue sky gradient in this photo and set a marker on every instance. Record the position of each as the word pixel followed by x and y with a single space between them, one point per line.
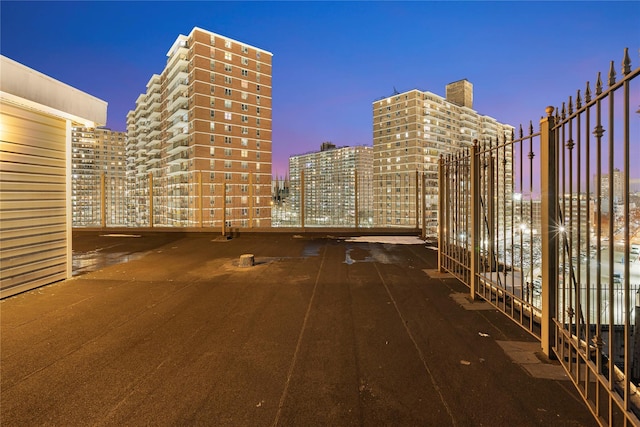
pixel 333 59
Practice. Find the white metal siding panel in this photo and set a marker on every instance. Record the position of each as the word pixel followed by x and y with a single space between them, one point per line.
pixel 33 198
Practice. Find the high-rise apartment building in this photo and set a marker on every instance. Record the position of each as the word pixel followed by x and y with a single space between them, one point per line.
pixel 332 187
pixel 411 130
pixel 200 137
pixel 617 189
pixel 98 182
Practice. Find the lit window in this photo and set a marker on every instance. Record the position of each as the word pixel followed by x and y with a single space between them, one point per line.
pixel 244 153
pixel 227 56
pixel 227 116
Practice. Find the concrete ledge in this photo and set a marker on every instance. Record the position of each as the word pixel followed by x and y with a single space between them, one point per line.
pixel 529 356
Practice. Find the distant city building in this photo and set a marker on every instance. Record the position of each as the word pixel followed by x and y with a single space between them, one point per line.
pixel 199 139
pixel 332 187
pixel 98 167
pixel 411 130
pixel 605 187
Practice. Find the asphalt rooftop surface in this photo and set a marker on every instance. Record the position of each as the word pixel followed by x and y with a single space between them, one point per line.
pixel 320 332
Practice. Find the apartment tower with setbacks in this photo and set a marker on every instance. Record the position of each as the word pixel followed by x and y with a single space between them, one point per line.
pixel 199 138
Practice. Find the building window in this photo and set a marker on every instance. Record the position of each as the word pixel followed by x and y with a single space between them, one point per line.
pixel 227 176
pixel 244 73
pixel 258 110
pixel 227 164
pixel 244 142
pixel 245 119
pixel 244 153
pixel 258 99
pixel 245 61
pixel 227 68
pixel 227 152
pixel 227 140
pixel 244 85
pixel 228 104
pixel 227 80
pixel 244 107
pixel 212 113
pixel 227 116
pixel 227 128
pixel 244 94
pixel 244 165
pixel 245 49
pixel 227 91
pixel 245 131
pixel 227 56
pixel 258 88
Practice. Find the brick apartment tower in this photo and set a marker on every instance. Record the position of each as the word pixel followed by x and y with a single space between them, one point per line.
pixel 200 137
pixel 410 132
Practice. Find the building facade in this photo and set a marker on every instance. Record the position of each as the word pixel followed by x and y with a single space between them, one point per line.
pixel 99 182
pixel 332 187
pixel 199 139
pixel 411 130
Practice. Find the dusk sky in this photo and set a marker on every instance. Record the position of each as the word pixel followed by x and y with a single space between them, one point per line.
pixel 331 60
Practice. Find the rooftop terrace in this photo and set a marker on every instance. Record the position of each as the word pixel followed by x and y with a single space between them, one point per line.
pixel 321 331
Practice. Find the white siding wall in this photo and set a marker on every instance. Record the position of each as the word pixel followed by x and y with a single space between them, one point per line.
pixel 33 199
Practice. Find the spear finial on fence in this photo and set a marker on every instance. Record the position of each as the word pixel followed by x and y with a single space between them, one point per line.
pixel 578 100
pixel 521 133
pixel 612 74
pixel 626 62
pixel 564 111
pixel 587 94
pixel 531 124
pixel 598 85
pixel 570 111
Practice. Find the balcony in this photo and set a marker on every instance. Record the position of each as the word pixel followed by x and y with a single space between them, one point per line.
pixel 178 146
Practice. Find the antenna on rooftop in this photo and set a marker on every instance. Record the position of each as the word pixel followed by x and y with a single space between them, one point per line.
pixel 395 91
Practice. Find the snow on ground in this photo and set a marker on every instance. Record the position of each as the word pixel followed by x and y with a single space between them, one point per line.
pixel 393 240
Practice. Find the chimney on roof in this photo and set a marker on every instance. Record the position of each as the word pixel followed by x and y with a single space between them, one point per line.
pixel 460 93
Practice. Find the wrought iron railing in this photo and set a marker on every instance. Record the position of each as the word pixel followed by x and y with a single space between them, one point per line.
pixel 523 224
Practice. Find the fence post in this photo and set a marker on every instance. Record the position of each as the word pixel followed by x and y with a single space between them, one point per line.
pixel 355 182
pixel 150 200
pixel 200 204
pixel 441 208
pixel 302 198
pixel 550 229
pixel 475 219
pixel 424 206
pixel 103 202
pixel 224 208
pixel 417 202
